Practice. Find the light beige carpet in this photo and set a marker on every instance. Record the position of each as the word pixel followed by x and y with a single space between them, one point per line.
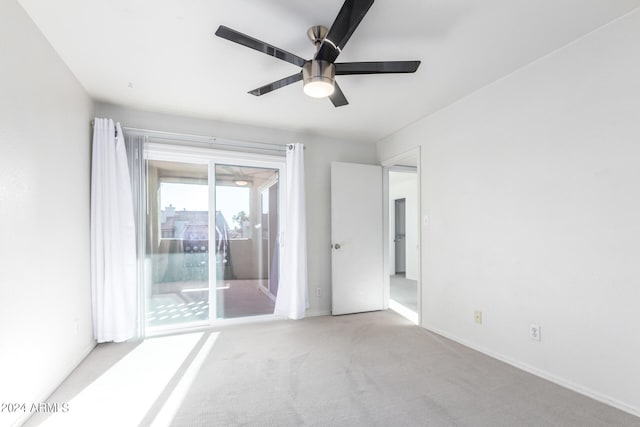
pixel 372 369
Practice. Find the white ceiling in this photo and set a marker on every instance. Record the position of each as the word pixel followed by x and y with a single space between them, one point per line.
pixel 162 55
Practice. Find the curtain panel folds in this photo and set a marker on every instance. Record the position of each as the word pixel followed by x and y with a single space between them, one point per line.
pixel 113 237
pixel 135 145
pixel 293 299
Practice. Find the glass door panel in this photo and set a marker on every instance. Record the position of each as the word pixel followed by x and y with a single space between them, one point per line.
pixel 177 247
pixel 212 250
pixel 246 251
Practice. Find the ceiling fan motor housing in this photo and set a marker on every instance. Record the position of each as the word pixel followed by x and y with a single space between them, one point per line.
pixel 319 78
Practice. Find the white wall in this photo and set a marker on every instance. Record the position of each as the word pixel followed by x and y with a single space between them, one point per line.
pixel 404 185
pixel 319 154
pixel 44 214
pixel 532 187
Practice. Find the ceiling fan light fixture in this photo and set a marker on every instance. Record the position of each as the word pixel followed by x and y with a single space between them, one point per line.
pixel 318 89
pixel 319 78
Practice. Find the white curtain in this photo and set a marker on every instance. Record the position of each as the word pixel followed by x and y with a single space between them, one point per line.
pixel 293 298
pixel 113 239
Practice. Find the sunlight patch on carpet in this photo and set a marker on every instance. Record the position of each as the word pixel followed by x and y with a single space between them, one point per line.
pixel 124 394
pixel 404 311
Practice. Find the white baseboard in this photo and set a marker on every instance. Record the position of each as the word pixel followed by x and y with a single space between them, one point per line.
pixel 316 313
pixel 543 374
pixel 53 387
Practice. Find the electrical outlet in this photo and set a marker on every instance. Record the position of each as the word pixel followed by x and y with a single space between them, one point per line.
pixel 318 292
pixel 477 316
pixel 534 332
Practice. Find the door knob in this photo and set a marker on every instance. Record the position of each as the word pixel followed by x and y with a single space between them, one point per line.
pixel 337 246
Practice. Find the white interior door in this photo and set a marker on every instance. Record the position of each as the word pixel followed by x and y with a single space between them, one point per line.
pixel 356 237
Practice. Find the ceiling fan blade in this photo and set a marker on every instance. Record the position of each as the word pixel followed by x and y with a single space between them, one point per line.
pixel 338 97
pixel 347 68
pixel 277 84
pixel 346 22
pixel 260 46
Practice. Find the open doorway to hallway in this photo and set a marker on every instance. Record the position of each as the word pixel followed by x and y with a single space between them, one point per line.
pixel 403 228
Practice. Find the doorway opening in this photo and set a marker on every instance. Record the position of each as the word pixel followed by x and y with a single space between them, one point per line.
pixel 400 240
pixel 403 239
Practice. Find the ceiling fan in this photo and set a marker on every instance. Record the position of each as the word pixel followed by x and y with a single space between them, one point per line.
pixel 318 74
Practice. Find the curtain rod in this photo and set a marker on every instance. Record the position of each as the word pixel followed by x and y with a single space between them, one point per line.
pixel 202 139
pixel 173 136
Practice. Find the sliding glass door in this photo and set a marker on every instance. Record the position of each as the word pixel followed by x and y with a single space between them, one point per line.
pixel 247 257
pixel 212 237
pixel 177 270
